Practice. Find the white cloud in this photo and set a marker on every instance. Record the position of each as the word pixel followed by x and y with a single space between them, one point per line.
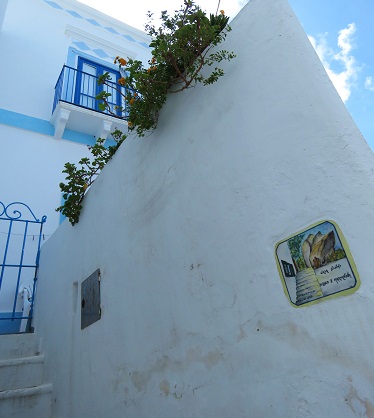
pixel 369 83
pixel 345 79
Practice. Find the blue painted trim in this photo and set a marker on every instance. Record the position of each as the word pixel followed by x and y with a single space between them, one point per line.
pixel 19 120
pixel 74 54
pixel 79 137
pixel 110 142
pixel 54 5
pixel 62 217
pixel 129 38
pixel 74 14
pixel 9 326
pixel 71 60
pixel 29 123
pixel 93 22
pixel 111 30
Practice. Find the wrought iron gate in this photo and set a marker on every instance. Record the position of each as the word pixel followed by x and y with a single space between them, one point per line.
pixel 20 238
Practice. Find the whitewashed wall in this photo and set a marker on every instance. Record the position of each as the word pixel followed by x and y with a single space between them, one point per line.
pixel 36 39
pixel 183 226
pixel 34 46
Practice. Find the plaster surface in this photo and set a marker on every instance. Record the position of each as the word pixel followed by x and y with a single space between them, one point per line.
pixel 183 225
pixel 37 38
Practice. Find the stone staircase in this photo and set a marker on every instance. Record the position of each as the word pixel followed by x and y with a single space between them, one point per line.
pixel 307 286
pixel 22 391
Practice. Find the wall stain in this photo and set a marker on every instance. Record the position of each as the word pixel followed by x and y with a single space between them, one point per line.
pixel 354 401
pixel 196 388
pixel 195 266
pixel 299 336
pixel 165 387
pixel 198 283
pixel 120 375
pixel 176 394
pixel 140 379
pixel 155 199
pixel 243 334
pixel 211 359
pixel 234 301
pixel 174 337
pixel 303 408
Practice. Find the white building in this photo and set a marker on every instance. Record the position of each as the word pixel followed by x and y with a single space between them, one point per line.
pixel 51 54
pixel 205 235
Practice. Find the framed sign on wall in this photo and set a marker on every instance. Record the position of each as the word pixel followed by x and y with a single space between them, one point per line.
pixel 316 264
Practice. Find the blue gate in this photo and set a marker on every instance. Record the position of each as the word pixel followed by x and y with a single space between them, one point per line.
pixel 20 238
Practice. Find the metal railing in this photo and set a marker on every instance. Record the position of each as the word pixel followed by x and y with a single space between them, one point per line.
pixel 80 88
pixel 20 238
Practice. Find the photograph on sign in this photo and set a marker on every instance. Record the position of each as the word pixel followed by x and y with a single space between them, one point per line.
pixel 316 263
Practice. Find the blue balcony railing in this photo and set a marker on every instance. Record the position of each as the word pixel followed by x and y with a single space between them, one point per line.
pixel 80 88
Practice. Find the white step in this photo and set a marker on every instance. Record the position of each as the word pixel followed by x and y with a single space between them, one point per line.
pixel 32 402
pixel 18 345
pixel 21 373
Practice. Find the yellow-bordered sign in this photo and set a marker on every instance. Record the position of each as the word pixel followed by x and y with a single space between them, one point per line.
pixel 316 264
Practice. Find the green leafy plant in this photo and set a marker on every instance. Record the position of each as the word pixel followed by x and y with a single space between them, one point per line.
pixel 294 245
pixel 79 178
pixel 182 47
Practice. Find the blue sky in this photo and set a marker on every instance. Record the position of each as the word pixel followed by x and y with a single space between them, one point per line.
pixel 342 32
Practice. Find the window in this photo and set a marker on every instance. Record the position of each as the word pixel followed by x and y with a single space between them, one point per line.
pixel 76 90
pixel 288 269
pixel 87 87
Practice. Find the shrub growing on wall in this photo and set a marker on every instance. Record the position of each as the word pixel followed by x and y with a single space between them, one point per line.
pixel 182 47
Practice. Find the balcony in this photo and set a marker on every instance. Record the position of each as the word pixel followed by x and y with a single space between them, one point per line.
pixel 75 106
